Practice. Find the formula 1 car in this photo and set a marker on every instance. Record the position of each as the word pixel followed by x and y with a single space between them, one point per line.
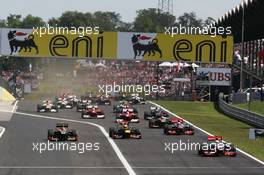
pixel 135 99
pixel 179 128
pixel 72 98
pixel 93 112
pixel 123 106
pixel 64 104
pixel 88 98
pixel 127 115
pixel 161 122
pixel 155 112
pixel 62 133
pixel 67 101
pixel 123 131
pixel 47 106
pixel 103 100
pixel 83 104
pixel 215 146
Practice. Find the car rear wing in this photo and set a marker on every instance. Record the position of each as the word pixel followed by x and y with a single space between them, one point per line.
pixel 64 125
pixel 214 138
pixel 123 122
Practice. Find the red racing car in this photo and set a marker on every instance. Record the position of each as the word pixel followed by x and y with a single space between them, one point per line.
pixel 127 115
pixel 93 112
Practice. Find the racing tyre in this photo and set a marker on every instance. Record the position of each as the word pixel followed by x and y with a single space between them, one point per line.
pixel 111 130
pixel 150 124
pixel 165 131
pixel 50 134
pixel 146 115
pixel 74 134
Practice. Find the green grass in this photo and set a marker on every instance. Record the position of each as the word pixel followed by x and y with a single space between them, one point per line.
pixel 255 106
pixel 205 116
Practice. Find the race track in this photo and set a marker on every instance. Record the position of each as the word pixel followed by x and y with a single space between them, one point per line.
pixel 146 156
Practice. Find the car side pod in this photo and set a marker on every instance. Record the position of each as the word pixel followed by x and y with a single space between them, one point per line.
pixel 189 132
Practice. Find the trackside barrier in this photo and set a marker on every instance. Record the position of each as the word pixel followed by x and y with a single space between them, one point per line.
pixel 241 114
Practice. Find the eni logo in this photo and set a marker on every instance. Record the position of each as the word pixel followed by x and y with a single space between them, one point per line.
pixel 186 46
pixel 59 42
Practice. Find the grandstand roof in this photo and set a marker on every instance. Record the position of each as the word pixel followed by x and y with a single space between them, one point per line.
pixel 254 20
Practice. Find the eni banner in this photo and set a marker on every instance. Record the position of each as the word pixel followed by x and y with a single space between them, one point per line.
pixel 118 45
pixel 26 43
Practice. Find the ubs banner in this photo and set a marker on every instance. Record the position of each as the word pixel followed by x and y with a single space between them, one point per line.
pixel 214 76
pixel 118 45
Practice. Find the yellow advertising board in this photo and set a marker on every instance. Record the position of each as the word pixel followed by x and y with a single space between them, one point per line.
pixel 118 45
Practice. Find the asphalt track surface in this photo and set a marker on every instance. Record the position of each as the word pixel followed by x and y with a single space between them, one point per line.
pixel 146 156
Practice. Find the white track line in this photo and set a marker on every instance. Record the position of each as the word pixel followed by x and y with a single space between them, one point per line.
pixel 110 140
pixel 99 167
pixel 243 152
pixel 2 131
pixel 2 128
pixel 57 167
pixel 14 107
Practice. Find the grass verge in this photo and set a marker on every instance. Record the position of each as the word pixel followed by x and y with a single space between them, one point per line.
pixel 255 106
pixel 51 89
pixel 205 116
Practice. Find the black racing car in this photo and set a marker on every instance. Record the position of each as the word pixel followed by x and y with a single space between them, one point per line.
pixel 135 99
pixel 82 105
pixel 179 128
pixel 123 106
pixel 62 133
pixel 103 100
pixel 158 122
pixel 155 112
pixel 123 131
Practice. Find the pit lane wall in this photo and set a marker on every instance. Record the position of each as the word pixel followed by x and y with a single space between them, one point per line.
pixel 243 115
pixel 116 45
pixel 5 95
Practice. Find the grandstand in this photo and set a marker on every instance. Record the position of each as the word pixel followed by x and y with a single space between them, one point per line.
pixel 248 39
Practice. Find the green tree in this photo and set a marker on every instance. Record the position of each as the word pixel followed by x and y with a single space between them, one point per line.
pixel 209 21
pixel 107 21
pixel 125 27
pixel 54 21
pixel 152 20
pixel 14 21
pixel 190 20
pixel 32 21
pixel 2 23
pixel 73 19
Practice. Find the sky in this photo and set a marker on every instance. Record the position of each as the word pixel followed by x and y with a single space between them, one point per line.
pixel 126 8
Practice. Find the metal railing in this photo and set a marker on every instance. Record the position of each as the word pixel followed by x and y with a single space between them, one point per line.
pixel 241 114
